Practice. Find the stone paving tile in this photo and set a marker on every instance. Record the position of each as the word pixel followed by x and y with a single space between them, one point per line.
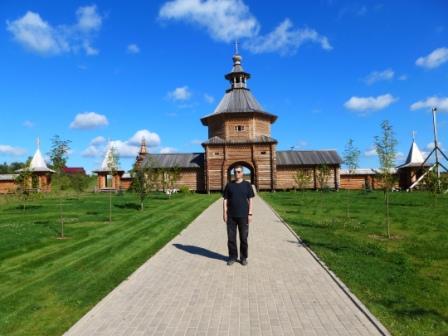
pixel 187 288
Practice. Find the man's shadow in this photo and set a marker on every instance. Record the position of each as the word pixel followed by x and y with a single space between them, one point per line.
pixel 200 251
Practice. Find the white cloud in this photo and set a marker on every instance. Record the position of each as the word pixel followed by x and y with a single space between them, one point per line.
pixel 430 146
pixel 440 102
pixel 152 139
pixel 180 93
pixel 89 120
pixel 301 144
pixel 125 148
pixel 403 77
pixel 28 124
pixel 99 140
pixel 209 99
pixel 10 150
pixel 88 18
pixel 286 40
pixel 39 36
pixel 434 59
pixel 371 152
pixel 224 20
pixel 92 151
pixel 133 49
pixel 230 20
pixel 167 150
pixel 365 104
pixel 399 156
pixel 91 51
pixel 377 76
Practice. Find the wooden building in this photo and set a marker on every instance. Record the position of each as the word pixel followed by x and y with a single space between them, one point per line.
pixel 239 133
pixel 8 183
pixel 413 168
pixel 40 174
pixel 109 175
pixel 361 178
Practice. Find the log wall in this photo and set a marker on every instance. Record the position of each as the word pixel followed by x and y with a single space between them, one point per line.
pixel 285 177
pixel 228 129
pixel 7 186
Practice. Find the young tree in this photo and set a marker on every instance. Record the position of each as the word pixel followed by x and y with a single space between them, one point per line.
pixel 24 185
pixel 58 153
pixel 322 176
pixel 385 148
pixel 351 160
pixel 173 177
pixel 435 185
pixel 302 178
pixel 61 188
pixel 112 165
pixel 143 181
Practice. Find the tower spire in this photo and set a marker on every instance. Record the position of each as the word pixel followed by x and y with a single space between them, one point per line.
pixel 237 77
pixel 143 148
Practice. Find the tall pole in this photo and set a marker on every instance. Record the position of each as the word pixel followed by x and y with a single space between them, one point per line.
pixel 436 144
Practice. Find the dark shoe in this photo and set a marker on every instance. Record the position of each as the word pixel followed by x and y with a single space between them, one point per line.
pixel 230 262
pixel 244 262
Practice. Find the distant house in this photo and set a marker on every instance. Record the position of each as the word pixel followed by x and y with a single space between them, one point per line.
pixel 109 175
pixel 8 183
pixel 74 170
pixel 414 167
pixel 40 173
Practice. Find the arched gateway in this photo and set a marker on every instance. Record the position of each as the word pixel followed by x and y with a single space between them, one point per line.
pixel 239 132
pixel 248 172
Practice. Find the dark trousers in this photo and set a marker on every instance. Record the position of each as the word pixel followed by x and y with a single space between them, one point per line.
pixel 243 230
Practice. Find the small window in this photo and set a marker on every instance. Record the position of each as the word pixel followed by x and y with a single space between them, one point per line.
pixel 217 153
pixel 239 128
pixel 263 152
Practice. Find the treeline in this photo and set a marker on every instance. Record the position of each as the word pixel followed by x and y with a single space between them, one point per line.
pixel 11 168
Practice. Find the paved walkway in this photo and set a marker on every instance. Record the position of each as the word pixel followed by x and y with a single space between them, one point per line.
pixel 187 288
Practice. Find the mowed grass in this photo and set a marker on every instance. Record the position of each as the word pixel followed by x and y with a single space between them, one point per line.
pixel 47 284
pixel 404 280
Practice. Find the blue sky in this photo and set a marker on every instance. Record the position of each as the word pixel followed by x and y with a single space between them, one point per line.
pixel 109 70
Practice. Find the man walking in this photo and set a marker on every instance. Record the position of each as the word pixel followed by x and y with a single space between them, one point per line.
pixel 237 213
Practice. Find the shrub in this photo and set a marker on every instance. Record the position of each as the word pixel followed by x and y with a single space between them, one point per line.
pixel 184 189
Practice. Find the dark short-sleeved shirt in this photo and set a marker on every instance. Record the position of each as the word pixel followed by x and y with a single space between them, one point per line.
pixel 237 196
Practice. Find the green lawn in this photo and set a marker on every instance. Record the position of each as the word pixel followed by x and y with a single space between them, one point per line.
pixel 404 280
pixel 47 284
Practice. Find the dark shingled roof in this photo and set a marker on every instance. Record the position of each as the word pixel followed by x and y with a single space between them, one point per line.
pixel 237 101
pixel 259 139
pixel 74 170
pixel 298 158
pixel 181 160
